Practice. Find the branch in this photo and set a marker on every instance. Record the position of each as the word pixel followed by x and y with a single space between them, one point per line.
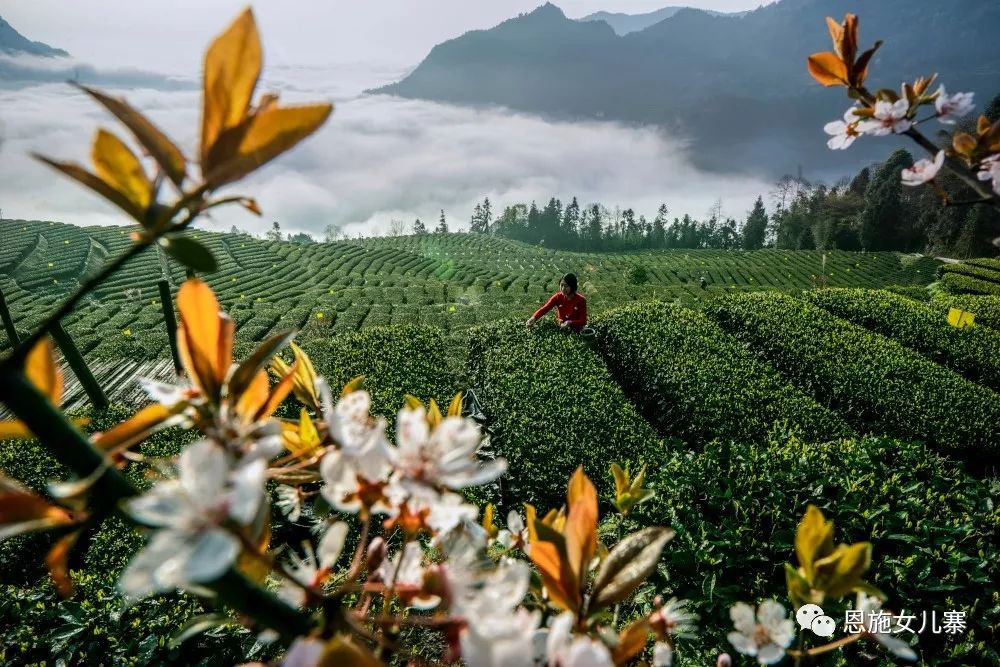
pixel 17 357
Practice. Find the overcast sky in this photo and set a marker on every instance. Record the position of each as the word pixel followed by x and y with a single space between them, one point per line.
pixel 379 158
pixel 169 35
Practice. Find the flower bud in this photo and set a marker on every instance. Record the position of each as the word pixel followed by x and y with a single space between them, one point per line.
pixel 724 661
pixel 376 554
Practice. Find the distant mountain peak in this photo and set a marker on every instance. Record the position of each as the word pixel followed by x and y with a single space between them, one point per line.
pixel 548 10
pixel 13 42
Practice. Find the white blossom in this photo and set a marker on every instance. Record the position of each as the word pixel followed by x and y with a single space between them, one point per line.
pixel 989 170
pixel 564 649
pixel 406 571
pixel 304 652
pixel 843 132
pixel 923 171
pixel 307 570
pixel 289 501
pixel 191 546
pixel 870 606
pixel 950 107
pixel 889 118
pixel 444 457
pixel 515 535
pixel 501 641
pixel 765 634
pixel 663 655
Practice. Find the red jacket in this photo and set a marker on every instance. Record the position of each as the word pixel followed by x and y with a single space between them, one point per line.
pixel 568 308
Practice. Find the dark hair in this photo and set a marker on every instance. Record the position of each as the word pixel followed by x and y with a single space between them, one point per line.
pixel 570 279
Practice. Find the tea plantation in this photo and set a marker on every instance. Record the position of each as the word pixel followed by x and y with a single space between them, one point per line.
pixel 746 398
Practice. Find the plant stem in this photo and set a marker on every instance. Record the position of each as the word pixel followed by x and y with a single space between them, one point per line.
pixel 20 353
pixel 63 440
pixel 68 445
pixel 964 174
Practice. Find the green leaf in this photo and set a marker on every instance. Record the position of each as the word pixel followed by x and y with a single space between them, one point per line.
pixel 257 361
pixel 628 565
pixel 190 253
pixel 197 625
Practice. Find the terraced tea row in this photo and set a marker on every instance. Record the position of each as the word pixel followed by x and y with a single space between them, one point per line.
pixel 449 281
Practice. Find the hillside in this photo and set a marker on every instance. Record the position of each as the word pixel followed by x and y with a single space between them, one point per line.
pixel 745 403
pixel 14 43
pixel 448 281
pixel 736 84
pixel 623 23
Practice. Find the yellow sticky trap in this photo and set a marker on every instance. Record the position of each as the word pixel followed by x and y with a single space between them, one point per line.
pixel 960 319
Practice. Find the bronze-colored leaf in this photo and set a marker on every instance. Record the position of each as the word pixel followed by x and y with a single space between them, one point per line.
pixel 836 35
pixel 257 361
pixel 24 511
pixel 849 45
pixel 265 136
pixel 983 125
pixel 158 144
pixel 828 69
pixel 250 204
pixel 581 523
pixel 117 165
pixel 42 371
pixel 345 651
pixel 964 144
pixel 232 67
pixel 57 561
pixel 81 175
pixel 632 641
pixel 628 565
pixel 860 69
pixel 136 428
pixel 204 337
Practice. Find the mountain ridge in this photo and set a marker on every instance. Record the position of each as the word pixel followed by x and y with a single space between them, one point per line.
pixel 737 85
pixel 624 24
pixel 14 43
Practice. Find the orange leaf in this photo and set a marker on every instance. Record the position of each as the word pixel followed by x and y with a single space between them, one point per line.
pixel 23 510
pixel 118 166
pixel 836 35
pixel 264 136
pixel 983 125
pixel 632 641
pixel 860 69
pixel 545 556
pixel 43 371
pixel 278 394
pixel 827 68
pixel 253 399
pixel 203 336
pixel 232 67
pixel 95 183
pixel 163 150
pixel 135 429
pixel 57 560
pixel 849 45
pixel 581 524
pixel 964 143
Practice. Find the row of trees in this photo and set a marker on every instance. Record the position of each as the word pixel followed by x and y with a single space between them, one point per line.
pixel 871 211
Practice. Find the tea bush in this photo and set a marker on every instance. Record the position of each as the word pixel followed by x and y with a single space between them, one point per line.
pixel 696 382
pixel 395 360
pixel 985 308
pixel 735 508
pixel 875 383
pixel 553 406
pixel 973 352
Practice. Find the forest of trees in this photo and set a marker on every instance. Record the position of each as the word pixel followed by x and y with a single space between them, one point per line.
pixel 872 211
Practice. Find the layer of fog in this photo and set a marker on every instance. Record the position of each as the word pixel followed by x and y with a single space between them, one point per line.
pixel 378 159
